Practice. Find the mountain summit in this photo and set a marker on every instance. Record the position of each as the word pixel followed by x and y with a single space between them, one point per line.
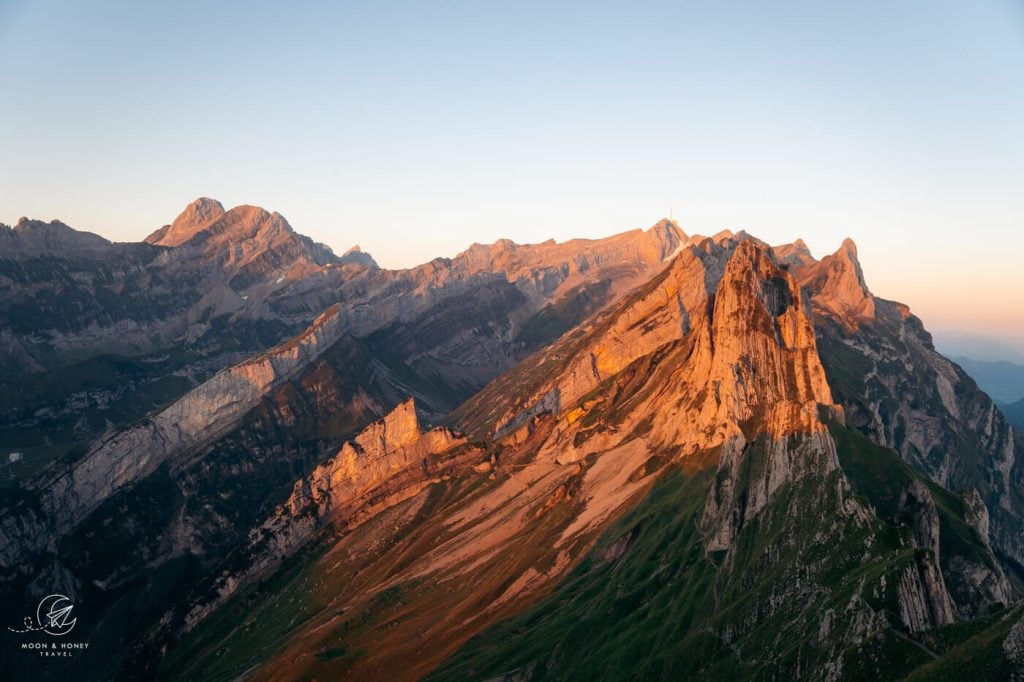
pixel 838 285
pixel 190 222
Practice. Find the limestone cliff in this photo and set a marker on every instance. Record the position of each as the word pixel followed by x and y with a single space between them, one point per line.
pixel 392 457
pixel 924 601
pixel 736 362
pixel 390 461
pixel 838 287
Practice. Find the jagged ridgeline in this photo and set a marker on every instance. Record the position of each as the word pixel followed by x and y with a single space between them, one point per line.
pixel 674 458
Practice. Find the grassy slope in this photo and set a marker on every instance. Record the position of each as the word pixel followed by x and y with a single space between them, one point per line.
pixel 665 610
pixel 325 615
pixel 974 651
pixel 879 475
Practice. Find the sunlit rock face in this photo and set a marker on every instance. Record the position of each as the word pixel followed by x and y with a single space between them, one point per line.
pixel 390 461
pixel 743 325
pixel 190 222
pixel 716 352
pixel 838 287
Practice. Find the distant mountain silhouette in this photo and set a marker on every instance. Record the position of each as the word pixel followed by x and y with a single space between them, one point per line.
pixel 1003 380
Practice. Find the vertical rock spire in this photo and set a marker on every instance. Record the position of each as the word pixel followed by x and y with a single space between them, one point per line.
pixel 837 286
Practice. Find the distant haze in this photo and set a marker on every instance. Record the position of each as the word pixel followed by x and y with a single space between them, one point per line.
pixel 953 343
pixel 415 129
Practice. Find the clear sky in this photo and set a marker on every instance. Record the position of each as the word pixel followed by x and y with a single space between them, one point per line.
pixel 417 128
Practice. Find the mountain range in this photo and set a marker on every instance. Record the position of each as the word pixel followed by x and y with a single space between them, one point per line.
pixel 1015 413
pixel 1003 380
pixel 650 456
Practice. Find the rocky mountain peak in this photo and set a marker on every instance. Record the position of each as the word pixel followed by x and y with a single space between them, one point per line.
pixel 794 254
pixel 722 236
pixel 764 389
pixel 765 363
pixel 358 256
pixel 250 245
pixel 52 238
pixel 207 220
pixel 837 286
pixel 666 225
pixel 748 361
pixel 194 219
pixel 399 428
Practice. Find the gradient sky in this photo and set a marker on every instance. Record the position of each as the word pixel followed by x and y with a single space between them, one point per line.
pixel 415 129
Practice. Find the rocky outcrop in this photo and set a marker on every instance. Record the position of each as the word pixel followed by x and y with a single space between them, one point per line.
pixel 764 355
pixel 358 256
pixel 371 460
pixel 978 584
pixel 34 237
pixel 736 361
pixel 838 287
pixel 918 508
pixel 976 514
pixel 794 254
pixel 764 380
pixel 924 600
pixel 661 312
pixel 758 315
pixel 390 461
pixel 190 222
